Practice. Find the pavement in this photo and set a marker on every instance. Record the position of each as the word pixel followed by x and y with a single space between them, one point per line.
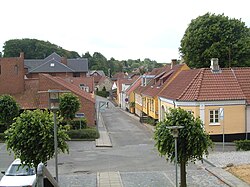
pixel 113 179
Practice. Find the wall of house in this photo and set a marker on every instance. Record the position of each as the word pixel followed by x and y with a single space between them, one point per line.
pixel 88 107
pixel 248 118
pixel 233 122
pixel 12 75
pixel 138 104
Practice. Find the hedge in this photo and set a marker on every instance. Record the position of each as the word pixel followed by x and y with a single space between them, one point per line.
pixel 242 145
pixel 84 134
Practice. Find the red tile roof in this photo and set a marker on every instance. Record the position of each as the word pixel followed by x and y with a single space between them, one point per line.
pixel 88 81
pixel 204 85
pixel 243 77
pixel 134 86
pixel 73 88
pixel 160 80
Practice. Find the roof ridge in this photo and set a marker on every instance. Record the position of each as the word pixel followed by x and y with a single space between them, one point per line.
pixel 49 62
pixel 232 70
pixel 190 84
pixel 200 78
pixel 78 92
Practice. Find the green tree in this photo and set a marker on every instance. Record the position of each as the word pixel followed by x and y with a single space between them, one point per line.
pixel 193 141
pixel 34 49
pixel 69 105
pixel 31 137
pixel 9 109
pixel 216 36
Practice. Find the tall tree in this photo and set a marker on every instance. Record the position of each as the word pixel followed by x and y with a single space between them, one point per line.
pixel 216 36
pixel 9 109
pixel 31 137
pixel 193 141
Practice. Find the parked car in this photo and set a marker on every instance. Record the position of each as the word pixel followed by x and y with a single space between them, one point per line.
pixel 19 176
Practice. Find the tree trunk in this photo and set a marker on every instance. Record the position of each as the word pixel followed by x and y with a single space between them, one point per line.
pixel 183 174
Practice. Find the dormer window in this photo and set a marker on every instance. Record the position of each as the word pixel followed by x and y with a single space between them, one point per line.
pixel 52 64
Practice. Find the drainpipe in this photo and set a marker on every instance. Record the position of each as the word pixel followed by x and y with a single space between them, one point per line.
pixel 246 120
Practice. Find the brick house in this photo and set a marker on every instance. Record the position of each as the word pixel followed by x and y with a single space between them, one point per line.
pixel 27 91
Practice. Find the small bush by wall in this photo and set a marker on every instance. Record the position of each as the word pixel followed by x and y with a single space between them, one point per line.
pixel 84 134
pixel 78 123
pixel 243 145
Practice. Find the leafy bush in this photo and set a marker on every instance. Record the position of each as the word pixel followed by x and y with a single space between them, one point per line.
pixel 1 137
pixel 78 123
pixel 150 121
pixel 242 145
pixel 102 93
pixel 84 134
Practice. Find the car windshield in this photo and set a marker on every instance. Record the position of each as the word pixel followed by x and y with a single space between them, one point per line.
pixel 19 170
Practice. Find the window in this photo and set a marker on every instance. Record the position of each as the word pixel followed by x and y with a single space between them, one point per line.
pixel 52 65
pixel 214 116
pixel 77 74
pixel 16 69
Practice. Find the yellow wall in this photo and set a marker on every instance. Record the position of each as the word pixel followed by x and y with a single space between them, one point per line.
pixel 234 118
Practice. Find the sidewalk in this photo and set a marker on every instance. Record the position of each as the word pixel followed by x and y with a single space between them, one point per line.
pixel 104 139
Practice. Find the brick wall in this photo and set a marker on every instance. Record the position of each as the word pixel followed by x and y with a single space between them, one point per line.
pixel 12 75
pixel 87 107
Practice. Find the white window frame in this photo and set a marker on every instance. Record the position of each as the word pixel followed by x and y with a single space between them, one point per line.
pixel 214 118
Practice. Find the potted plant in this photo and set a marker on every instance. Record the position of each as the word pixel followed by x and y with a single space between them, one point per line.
pixel 132 107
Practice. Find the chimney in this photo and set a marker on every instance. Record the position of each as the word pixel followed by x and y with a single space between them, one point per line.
pixel 64 60
pixel 22 55
pixel 173 63
pixel 215 65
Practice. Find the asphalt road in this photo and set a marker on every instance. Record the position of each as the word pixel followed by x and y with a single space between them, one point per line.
pixel 133 154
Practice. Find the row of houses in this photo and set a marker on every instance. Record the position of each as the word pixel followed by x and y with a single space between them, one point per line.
pixel 219 96
pixel 27 80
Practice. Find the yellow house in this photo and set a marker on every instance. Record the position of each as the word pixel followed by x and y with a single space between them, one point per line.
pixel 160 81
pixel 214 95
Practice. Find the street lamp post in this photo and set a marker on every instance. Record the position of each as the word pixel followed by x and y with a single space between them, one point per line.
pixel 54 106
pixel 175 133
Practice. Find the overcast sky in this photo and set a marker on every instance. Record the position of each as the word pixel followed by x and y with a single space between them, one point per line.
pixel 123 29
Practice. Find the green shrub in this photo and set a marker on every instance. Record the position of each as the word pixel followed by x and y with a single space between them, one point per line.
pixel 102 93
pixel 2 137
pixel 150 121
pixel 242 145
pixel 84 134
pixel 78 123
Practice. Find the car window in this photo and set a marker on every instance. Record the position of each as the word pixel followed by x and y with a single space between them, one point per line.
pixel 19 170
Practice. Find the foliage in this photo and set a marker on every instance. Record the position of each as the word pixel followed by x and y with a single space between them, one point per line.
pixel 99 62
pixel 34 49
pixel 77 123
pixel 102 93
pixel 31 137
pixel 242 145
pixel 2 137
pixel 150 121
pixel 216 36
pixel 69 105
pixel 193 141
pixel 84 134
pixel 132 104
pixel 9 109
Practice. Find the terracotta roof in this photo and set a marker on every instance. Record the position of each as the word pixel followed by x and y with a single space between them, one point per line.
pixel 73 88
pixel 204 85
pixel 136 84
pixel 162 79
pixel 88 81
pixel 29 99
pixel 243 77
